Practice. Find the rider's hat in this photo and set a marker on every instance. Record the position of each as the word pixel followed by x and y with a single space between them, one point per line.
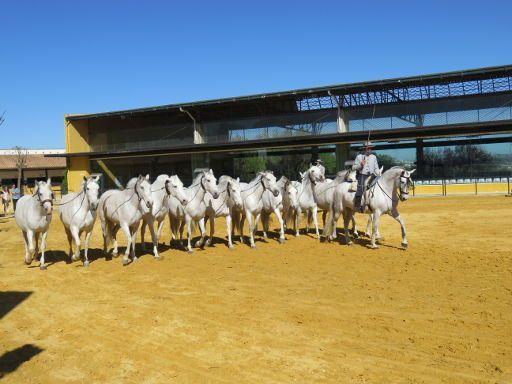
pixel 368 144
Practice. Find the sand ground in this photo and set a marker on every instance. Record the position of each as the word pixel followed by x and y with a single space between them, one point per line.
pixel 440 312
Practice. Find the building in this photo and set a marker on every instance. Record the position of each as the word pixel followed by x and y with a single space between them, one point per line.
pixel 454 127
pixel 38 166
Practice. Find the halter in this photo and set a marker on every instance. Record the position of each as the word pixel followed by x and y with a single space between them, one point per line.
pixel 43 201
pixel 408 182
pixel 138 195
pixel 202 186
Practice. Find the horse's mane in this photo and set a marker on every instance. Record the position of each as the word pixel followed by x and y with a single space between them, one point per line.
pixel 131 182
pixel 225 179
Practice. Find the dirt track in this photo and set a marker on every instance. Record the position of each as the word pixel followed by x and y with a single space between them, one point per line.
pixel 299 312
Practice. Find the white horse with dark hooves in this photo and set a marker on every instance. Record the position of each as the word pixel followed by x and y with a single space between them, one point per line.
pixel 161 189
pixel 195 209
pixel 306 195
pixel 33 215
pixel 124 210
pixel 230 198
pixel 383 197
pixel 252 193
pixel 284 206
pixel 77 211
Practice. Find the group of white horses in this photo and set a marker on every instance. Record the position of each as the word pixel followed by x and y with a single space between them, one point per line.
pixel 206 200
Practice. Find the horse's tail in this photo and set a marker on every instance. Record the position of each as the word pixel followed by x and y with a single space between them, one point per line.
pixel 329 220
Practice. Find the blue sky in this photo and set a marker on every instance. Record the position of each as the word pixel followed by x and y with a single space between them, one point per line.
pixel 61 57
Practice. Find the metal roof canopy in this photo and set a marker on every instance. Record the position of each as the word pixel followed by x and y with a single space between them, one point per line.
pixel 426 87
pixel 465 129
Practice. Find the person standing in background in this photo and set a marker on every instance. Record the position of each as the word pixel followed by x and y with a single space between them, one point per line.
pixel 15 195
pixel 5 196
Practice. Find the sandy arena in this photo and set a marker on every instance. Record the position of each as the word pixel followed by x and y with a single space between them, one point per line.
pixel 299 312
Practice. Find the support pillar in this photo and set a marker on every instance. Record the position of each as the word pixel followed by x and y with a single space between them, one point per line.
pixel 342 150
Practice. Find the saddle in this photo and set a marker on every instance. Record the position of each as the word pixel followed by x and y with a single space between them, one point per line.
pixel 371 182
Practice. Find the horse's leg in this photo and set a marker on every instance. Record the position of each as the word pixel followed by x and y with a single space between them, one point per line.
pixel 315 221
pixel 127 231
pixel 256 222
pixel 209 242
pixel 154 238
pixel 70 242
pixel 174 229
pixel 242 222
pixel 354 227
pixel 281 223
pixel 265 218
pixel 202 229
pixel 346 218
pixel 142 233
pixel 324 214
pixel 249 217
pixel 159 230
pixel 76 239
pixel 86 243
pixel 28 252
pixel 42 265
pixel 368 225
pixel 228 231
pixel 36 243
pixel 296 222
pixel 396 215
pixel 105 230
pixel 376 217
pixel 113 236
pixel 134 230
pixel 188 220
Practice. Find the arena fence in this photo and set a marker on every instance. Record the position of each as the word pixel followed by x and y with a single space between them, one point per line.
pixel 471 186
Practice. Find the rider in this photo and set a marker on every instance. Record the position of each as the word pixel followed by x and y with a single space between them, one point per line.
pixel 319 164
pixel 366 165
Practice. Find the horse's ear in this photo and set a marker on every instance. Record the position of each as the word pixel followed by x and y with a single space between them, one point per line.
pixel 238 179
pixel 301 175
pixel 210 171
pixel 147 176
pixel 85 178
pixel 381 169
pixel 411 172
pixel 97 178
pixel 310 165
pixel 49 181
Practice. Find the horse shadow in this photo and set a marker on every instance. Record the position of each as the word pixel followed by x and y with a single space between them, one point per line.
pixel 11 360
pixel 11 299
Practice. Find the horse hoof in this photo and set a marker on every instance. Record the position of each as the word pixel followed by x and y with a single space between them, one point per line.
pixel 126 262
pixel 86 264
pixel 115 254
pixel 28 262
pixel 253 247
pixel 190 251
pixel 356 235
pixel 350 243
pixel 231 247
pixel 74 258
pixel 43 267
pixel 405 245
pixel 324 239
pixel 135 259
pixel 374 247
pixel 282 241
pixel 158 258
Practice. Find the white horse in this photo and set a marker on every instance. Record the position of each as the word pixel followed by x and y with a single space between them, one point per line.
pixel 195 209
pixel 124 209
pixel 383 197
pixel 230 198
pixel 33 215
pixel 161 189
pixel 306 194
pixel 252 193
pixel 284 206
pixel 78 213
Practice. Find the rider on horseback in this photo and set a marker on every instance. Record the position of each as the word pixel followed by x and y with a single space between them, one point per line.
pixel 366 165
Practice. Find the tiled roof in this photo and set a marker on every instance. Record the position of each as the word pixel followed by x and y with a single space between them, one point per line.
pixel 33 162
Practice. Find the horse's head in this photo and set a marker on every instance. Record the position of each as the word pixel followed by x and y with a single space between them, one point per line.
pixel 291 194
pixel 235 192
pixel 174 188
pixel 43 192
pixel 269 182
pixel 351 177
pixel 209 183
pixel 315 174
pixel 143 190
pixel 91 188
pixel 404 183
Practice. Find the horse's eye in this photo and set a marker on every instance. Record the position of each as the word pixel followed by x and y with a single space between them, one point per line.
pixel 87 188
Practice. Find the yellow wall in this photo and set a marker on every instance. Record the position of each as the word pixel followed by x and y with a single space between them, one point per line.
pixel 453 189
pixel 77 141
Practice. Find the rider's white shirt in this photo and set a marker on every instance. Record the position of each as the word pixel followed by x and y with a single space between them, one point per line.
pixel 371 166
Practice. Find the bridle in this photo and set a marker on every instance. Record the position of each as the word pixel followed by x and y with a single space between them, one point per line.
pixel 402 192
pixel 136 191
pixel 42 202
